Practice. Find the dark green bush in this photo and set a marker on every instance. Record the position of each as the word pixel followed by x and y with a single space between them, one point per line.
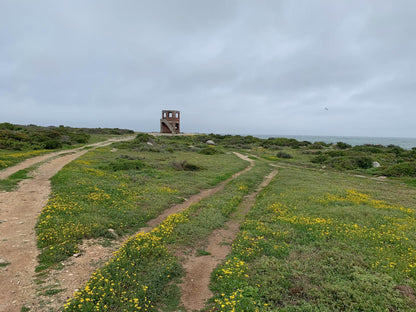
pixel 342 163
pixel 143 137
pixel 369 148
pixel 342 145
pixel 350 162
pixel 319 159
pixel 364 162
pixel 184 165
pixel 52 144
pixel 395 149
pixel 404 169
pixel 80 137
pixel 316 146
pixel 284 155
pixel 125 164
pixel 335 153
pixel 210 150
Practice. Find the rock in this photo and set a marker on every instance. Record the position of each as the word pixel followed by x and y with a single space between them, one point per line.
pixel 150 143
pixel 210 142
pixel 112 233
pixel 4 262
pixel 376 164
pixel 76 255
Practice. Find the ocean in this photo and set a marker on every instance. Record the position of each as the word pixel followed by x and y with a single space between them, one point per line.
pixel 406 143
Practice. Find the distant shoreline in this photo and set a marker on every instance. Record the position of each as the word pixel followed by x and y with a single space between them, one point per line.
pixel 406 143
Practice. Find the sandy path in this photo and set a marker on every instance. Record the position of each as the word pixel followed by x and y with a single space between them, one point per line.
pixel 18 214
pixel 195 286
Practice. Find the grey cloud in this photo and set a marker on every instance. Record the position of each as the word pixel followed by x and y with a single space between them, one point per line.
pixel 230 66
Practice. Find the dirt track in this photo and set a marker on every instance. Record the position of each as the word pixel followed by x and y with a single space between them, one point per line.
pixel 195 286
pixel 18 213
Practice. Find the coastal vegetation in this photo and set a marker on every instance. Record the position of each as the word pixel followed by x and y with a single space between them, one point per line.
pixel 19 142
pixel 333 231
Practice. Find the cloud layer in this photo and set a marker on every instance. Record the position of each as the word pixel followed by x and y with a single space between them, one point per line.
pixel 248 67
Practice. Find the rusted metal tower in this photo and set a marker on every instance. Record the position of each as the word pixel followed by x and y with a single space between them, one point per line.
pixel 170 121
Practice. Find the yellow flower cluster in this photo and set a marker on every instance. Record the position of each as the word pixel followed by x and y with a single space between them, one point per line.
pixel 108 285
pixel 233 268
pixel 391 239
pixel 356 198
pixel 4 164
pixel 97 195
pixel 228 303
pixel 165 189
pixel 8 158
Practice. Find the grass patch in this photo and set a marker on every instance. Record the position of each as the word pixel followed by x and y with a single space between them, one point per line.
pixel 145 268
pixel 202 252
pixel 313 242
pixel 13 180
pixel 51 292
pixel 105 189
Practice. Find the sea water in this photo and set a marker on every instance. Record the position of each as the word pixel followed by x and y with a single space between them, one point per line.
pixel 406 143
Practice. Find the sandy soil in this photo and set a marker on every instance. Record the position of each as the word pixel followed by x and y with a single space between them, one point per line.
pixel 18 213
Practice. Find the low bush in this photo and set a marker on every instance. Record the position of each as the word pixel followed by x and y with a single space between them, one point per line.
pixel 143 137
pixel 342 163
pixel 342 145
pixel 404 169
pixel 284 155
pixel 52 144
pixel 364 162
pixel 316 146
pixel 184 165
pixel 210 150
pixel 125 164
pixel 319 159
pixel 369 148
pixel 350 162
pixel 335 153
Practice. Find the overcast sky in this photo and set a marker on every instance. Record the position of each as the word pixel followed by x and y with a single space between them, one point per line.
pixel 239 67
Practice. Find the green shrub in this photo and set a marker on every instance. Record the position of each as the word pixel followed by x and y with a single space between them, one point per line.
pixel 284 155
pixel 369 148
pixel 184 165
pixel 335 153
pixel 319 159
pixel 80 137
pixel 210 150
pixel 316 146
pixel 342 163
pixel 143 137
pixel 52 144
pixel 401 170
pixel 395 149
pixel 364 162
pixel 125 164
pixel 350 162
pixel 342 145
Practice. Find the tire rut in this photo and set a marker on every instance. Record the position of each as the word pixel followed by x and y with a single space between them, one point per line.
pixel 195 285
pixel 77 270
